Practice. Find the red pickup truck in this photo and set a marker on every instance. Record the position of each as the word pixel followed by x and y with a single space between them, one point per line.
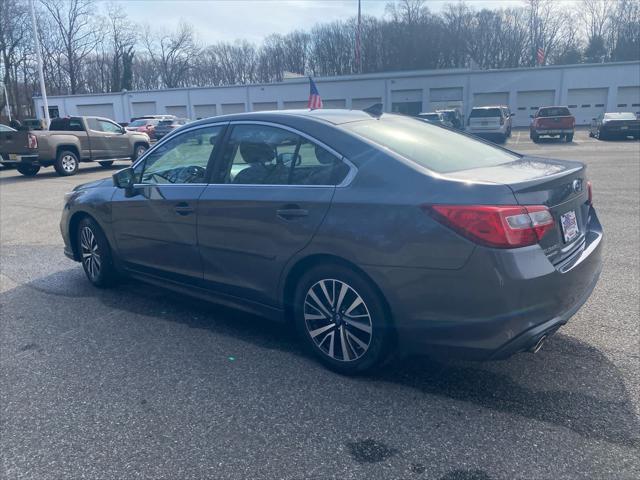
pixel 552 122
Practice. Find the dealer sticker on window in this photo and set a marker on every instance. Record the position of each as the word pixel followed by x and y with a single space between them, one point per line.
pixel 569 224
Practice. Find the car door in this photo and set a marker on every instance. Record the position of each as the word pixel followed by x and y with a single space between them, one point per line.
pixel 155 223
pixel 115 141
pixel 266 200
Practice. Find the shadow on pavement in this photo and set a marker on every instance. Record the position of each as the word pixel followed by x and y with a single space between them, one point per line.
pixel 573 371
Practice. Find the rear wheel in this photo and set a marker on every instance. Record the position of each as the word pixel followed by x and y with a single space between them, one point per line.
pixel 67 163
pixel 28 170
pixel 138 150
pixel 569 137
pixel 106 164
pixel 95 254
pixel 342 319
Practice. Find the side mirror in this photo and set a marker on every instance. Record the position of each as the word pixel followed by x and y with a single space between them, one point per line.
pixel 124 178
pixel 512 115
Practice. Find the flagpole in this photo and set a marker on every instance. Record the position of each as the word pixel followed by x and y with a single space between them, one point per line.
pixel 358 56
pixel 43 90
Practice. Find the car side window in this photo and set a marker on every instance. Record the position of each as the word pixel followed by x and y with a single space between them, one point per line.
pixel 182 159
pixel 93 124
pixel 265 155
pixel 109 127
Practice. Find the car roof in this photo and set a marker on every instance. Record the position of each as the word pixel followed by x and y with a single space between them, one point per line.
pixel 331 116
pixel 489 106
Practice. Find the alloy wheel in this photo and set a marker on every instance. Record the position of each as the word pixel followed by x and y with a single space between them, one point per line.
pixel 69 163
pixel 90 253
pixel 139 151
pixel 338 320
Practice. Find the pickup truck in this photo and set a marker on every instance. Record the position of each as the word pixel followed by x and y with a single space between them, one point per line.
pixel 68 142
pixel 552 122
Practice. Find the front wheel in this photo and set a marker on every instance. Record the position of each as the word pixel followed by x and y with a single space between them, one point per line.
pixel 67 163
pixel 95 253
pixel 342 319
pixel 534 137
pixel 28 170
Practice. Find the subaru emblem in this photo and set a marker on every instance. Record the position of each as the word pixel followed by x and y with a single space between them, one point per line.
pixel 577 185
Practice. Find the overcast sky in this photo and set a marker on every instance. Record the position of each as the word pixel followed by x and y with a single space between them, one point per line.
pixel 228 20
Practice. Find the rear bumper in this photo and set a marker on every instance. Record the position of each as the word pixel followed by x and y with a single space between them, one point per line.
pixel 17 159
pixel 487 131
pixel 620 130
pixel 500 303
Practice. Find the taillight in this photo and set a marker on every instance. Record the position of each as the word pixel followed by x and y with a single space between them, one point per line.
pixel 509 226
pixel 32 141
pixel 589 193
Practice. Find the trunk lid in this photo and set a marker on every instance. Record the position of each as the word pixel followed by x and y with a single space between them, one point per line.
pixel 561 186
pixel 555 122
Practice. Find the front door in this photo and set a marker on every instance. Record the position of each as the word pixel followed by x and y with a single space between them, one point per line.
pixel 115 141
pixel 269 193
pixel 155 226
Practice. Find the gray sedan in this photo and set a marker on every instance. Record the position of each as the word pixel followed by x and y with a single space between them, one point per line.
pixel 371 233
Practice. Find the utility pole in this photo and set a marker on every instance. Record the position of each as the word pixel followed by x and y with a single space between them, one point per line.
pixel 6 99
pixel 43 90
pixel 358 54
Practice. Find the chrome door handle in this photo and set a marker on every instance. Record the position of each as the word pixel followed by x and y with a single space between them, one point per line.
pixel 289 213
pixel 183 208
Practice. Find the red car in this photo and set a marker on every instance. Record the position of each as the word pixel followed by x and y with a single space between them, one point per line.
pixel 144 125
pixel 552 122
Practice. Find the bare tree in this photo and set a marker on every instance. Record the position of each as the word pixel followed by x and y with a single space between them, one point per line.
pixel 172 53
pixel 14 45
pixel 79 34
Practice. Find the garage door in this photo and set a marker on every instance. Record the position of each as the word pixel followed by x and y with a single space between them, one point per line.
pixel 97 110
pixel 232 108
pixel 179 111
pixel 143 108
pixel 295 104
pixel 494 98
pixel 587 103
pixel 204 111
pixel 263 106
pixel 337 103
pixel 628 99
pixel 442 98
pixel 362 103
pixel 528 103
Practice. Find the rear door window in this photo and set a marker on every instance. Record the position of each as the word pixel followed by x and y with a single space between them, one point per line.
pixel 438 149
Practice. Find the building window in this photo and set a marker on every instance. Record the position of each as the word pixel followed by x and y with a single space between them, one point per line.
pixel 586 105
pixel 573 106
pixel 622 104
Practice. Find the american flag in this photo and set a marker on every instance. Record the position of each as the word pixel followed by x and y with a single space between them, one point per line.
pixel 540 55
pixel 314 97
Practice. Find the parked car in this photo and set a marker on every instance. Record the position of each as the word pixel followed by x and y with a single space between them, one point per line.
pixel 6 128
pixel 165 127
pixel 68 142
pixel 454 116
pixel 615 124
pixel 491 122
pixel 508 118
pixel 436 118
pixel 552 122
pixel 371 232
pixel 144 125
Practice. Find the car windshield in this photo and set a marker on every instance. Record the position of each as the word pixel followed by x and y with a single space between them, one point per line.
pixel 437 149
pixel 554 112
pixel 620 116
pixel 166 122
pixel 139 123
pixel 485 112
pixel 430 116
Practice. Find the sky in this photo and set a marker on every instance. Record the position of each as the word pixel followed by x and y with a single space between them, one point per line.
pixel 228 20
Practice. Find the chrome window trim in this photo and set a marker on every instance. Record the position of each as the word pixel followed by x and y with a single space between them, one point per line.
pixel 345 182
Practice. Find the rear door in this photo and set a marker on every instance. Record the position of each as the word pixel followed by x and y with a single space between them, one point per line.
pixel 268 196
pixel 155 226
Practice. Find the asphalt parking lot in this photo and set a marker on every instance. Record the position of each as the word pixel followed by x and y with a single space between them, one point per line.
pixel 136 382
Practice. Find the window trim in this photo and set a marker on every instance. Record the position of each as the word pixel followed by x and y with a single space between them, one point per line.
pixel 346 181
pixel 167 138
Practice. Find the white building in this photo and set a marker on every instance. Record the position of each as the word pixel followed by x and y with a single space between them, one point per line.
pixel 586 89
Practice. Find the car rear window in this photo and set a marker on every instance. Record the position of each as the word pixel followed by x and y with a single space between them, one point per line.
pixel 430 146
pixel 166 122
pixel 66 124
pixel 620 116
pixel 554 112
pixel 485 112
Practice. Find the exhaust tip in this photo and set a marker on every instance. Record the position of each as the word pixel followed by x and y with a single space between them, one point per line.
pixel 536 348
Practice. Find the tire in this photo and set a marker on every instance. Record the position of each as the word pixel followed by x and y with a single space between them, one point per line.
pixel 590 134
pixel 106 164
pixel 67 163
pixel 28 170
pixel 346 345
pixel 138 150
pixel 569 138
pixel 95 252
pixel 534 137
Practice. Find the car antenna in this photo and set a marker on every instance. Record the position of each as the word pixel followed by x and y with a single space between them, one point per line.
pixel 374 110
